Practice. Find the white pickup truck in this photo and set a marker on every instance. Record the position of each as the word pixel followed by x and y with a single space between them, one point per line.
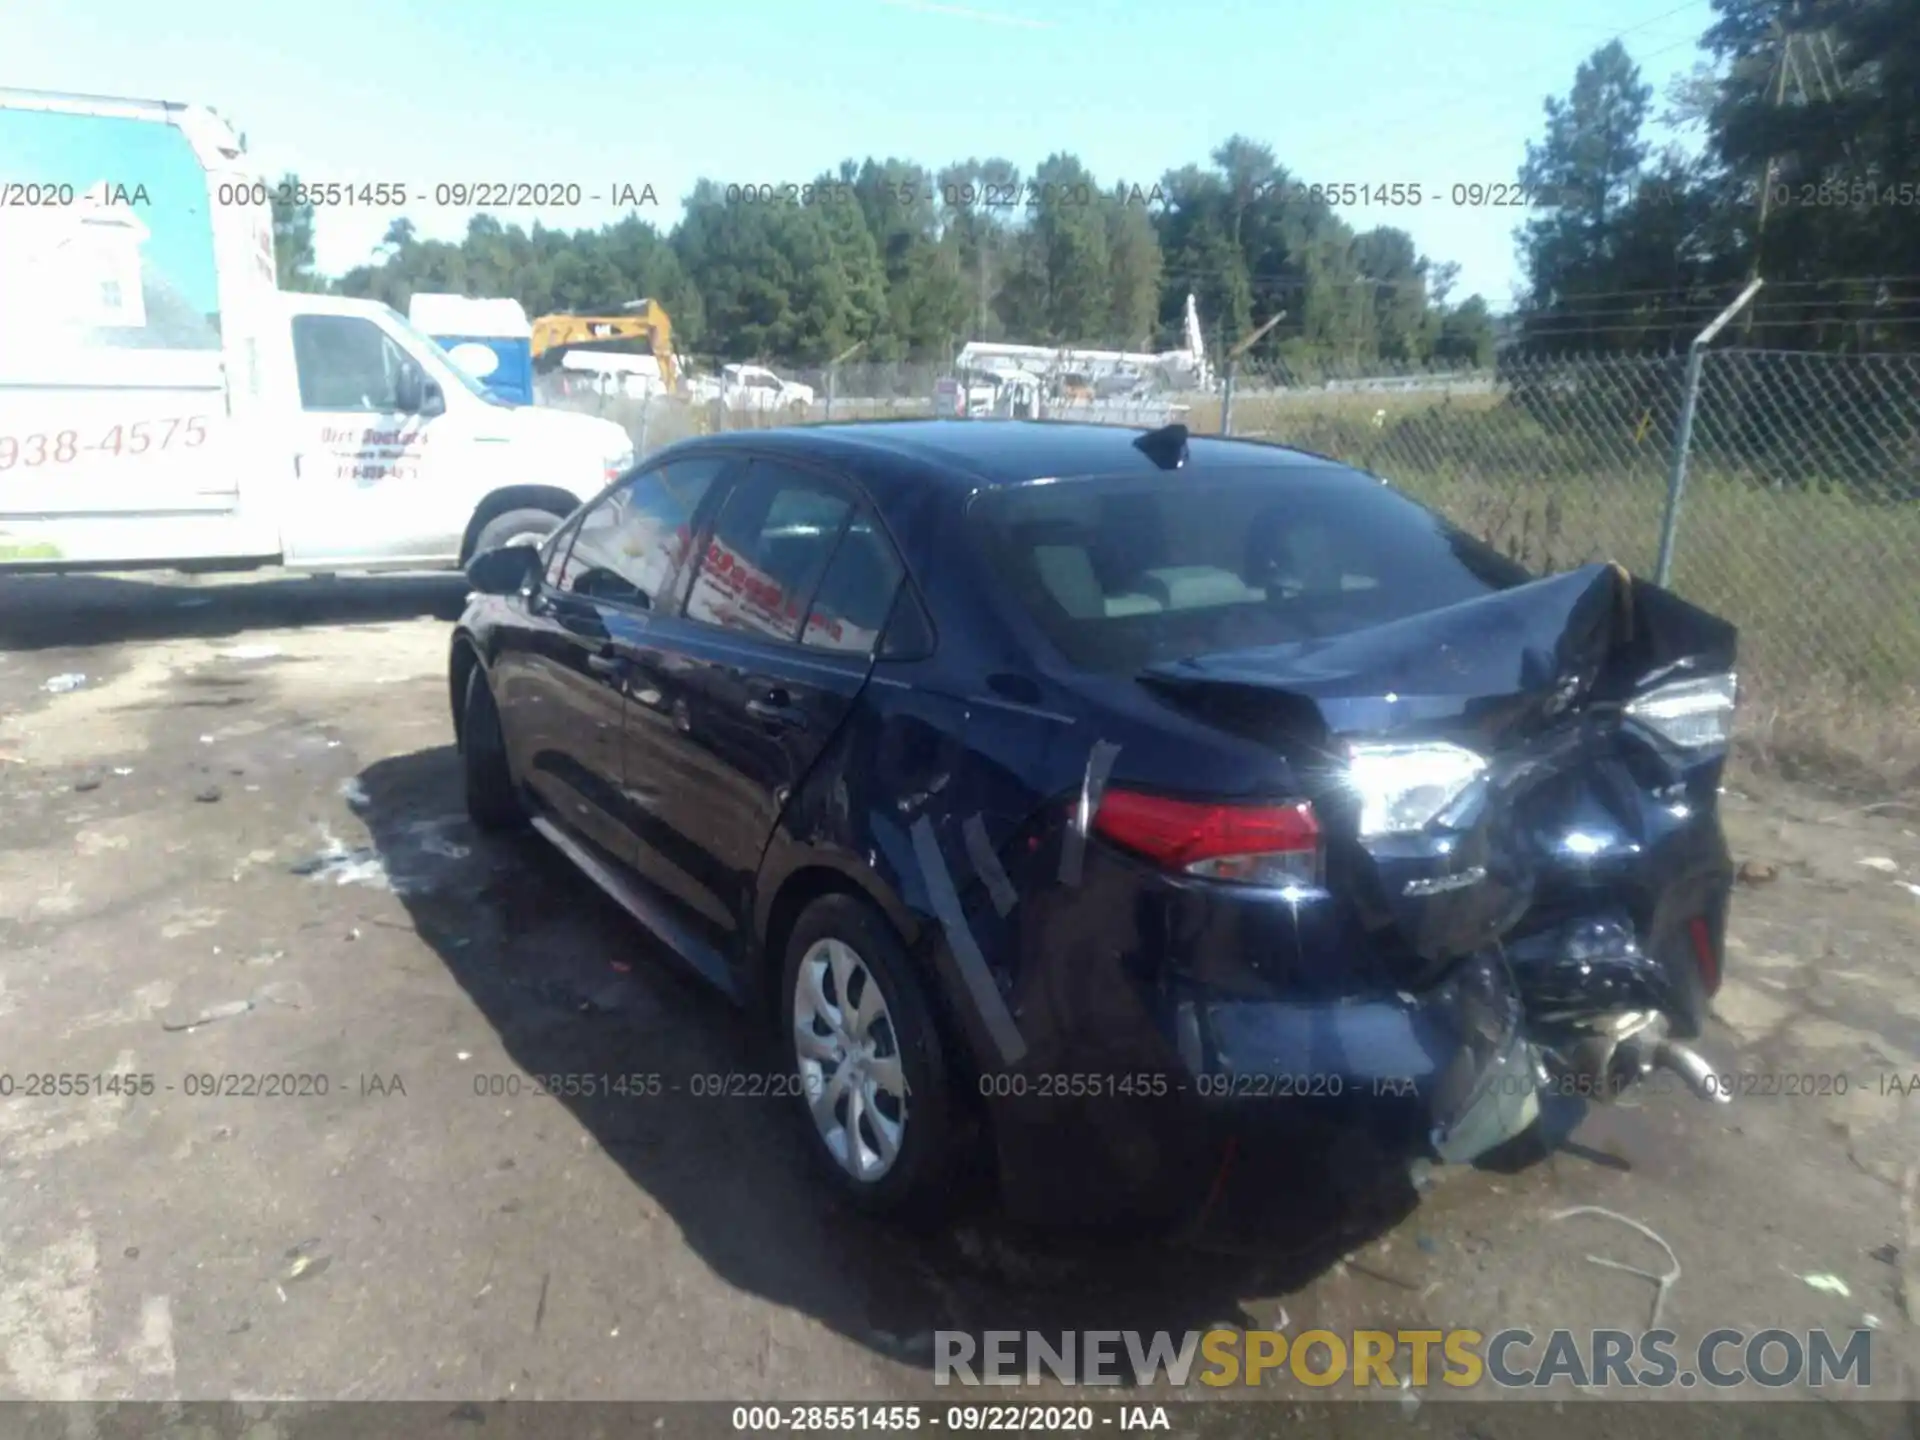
pixel 163 404
pixel 756 388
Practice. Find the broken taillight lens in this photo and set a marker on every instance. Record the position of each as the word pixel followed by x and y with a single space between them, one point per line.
pixel 1693 714
pixel 1267 845
pixel 1402 789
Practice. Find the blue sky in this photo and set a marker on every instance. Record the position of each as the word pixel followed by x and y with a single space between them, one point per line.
pixel 641 92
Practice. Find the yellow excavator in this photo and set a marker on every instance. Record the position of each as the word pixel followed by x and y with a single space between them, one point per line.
pixel 640 320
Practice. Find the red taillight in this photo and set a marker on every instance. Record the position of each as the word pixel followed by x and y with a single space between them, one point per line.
pixel 1252 844
pixel 1703 954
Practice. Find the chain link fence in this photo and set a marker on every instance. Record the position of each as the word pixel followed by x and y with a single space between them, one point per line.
pixel 1795 499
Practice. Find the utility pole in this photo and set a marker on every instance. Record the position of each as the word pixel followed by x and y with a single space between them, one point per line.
pixel 1233 363
pixel 1766 175
pixel 833 372
pixel 1786 62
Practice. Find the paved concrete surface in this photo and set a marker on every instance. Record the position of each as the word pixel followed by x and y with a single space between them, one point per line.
pixel 252 800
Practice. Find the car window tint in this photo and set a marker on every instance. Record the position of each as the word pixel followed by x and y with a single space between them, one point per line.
pixel 909 632
pixel 772 540
pixel 629 544
pixel 1124 572
pixel 857 591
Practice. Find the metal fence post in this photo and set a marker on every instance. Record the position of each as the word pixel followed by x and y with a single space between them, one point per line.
pixel 1226 396
pixel 1683 438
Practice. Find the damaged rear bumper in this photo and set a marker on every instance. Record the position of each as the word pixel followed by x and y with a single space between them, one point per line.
pixel 1314 1104
pixel 1304 1111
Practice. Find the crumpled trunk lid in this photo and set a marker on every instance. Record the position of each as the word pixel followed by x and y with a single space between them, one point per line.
pixel 1591 852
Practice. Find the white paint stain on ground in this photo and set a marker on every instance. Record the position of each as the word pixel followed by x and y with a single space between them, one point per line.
pixel 46 1319
pixel 344 865
pixel 403 868
pixel 152 1353
pixel 139 1008
pixel 187 922
pixel 59 901
pixel 33 1128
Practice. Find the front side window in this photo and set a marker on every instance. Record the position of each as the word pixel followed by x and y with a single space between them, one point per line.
pixel 770 546
pixel 557 546
pixel 629 546
pixel 346 363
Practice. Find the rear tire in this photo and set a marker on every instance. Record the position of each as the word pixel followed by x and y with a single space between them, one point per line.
pixel 883 1129
pixel 523 526
pixel 492 802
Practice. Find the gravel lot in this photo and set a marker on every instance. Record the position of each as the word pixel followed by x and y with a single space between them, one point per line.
pixel 249 815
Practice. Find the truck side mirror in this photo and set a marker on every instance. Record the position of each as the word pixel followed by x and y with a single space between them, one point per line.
pixel 415 393
pixel 409 390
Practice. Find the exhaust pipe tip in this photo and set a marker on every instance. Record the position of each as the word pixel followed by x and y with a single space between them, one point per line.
pixel 1691 1066
pixel 1606 1067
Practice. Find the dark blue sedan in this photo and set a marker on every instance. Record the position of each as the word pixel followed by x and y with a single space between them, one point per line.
pixel 1131 815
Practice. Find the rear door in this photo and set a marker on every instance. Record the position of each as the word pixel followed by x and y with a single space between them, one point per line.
pixel 749 685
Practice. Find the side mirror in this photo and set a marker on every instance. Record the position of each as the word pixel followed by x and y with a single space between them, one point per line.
pixel 508 570
pixel 409 390
pixel 433 400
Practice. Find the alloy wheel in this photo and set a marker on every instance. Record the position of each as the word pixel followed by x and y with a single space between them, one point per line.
pixel 849 1060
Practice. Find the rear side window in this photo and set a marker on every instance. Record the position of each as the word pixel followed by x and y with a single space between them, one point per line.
pixel 850 608
pixel 1120 573
pixel 771 544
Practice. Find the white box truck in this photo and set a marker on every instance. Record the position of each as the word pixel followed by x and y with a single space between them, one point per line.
pixel 164 404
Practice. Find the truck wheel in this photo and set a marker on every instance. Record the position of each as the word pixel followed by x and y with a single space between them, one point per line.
pixel 516 527
pixel 492 803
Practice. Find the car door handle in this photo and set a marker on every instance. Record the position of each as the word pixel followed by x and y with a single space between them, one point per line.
pixel 777 710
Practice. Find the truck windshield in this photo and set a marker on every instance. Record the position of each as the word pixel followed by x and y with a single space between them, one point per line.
pixel 448 363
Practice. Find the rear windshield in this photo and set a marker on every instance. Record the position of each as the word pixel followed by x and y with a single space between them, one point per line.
pixel 1120 573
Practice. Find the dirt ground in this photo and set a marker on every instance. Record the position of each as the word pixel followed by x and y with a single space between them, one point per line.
pixel 249 814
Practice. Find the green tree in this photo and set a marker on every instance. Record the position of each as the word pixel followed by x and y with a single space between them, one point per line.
pixel 1403 323
pixel 1465 335
pixel 293 261
pixel 1583 174
pixel 980 211
pixel 1136 268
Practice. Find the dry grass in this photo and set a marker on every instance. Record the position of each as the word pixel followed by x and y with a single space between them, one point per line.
pixel 1822 584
